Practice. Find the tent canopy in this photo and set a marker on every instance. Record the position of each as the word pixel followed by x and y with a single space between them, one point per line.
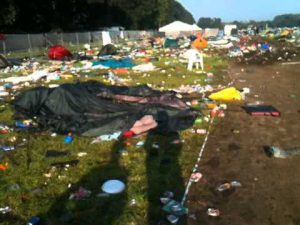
pixel 179 26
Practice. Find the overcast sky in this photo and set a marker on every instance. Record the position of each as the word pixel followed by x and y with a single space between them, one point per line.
pixel 229 10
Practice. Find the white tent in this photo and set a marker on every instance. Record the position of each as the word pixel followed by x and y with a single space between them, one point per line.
pixel 196 28
pixel 178 26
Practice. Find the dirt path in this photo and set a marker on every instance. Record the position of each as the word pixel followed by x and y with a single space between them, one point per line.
pixel 270 194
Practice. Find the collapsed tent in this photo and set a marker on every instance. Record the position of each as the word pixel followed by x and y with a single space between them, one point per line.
pixel 58 52
pixel 92 108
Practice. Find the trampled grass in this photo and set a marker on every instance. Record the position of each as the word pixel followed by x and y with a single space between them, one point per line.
pixel 31 187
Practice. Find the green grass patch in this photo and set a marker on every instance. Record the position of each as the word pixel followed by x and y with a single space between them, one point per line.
pixel 30 187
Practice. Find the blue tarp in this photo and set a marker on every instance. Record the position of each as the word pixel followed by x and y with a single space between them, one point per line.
pixel 113 63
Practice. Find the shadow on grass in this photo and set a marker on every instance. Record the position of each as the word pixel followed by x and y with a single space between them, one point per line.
pixel 93 210
pixel 163 174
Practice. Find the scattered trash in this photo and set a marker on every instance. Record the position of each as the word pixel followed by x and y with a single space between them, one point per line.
pixel 195 177
pixel 228 185
pixel 69 138
pixel 113 187
pixel 81 154
pixel 175 208
pixel 140 144
pixel 23 124
pixel 172 219
pixel 155 146
pixel 235 131
pixel 201 131
pixel 277 152
pixel 227 94
pixel 3 167
pixel 34 221
pixel 5 209
pixel 261 110
pixel 177 142
pixel 101 195
pixel 107 137
pixel 132 202
pixel 123 152
pixel 198 121
pixel 167 196
pixel 213 212
pixel 7 148
pixel 81 194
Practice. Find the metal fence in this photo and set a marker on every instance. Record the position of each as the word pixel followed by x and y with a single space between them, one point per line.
pixel 30 42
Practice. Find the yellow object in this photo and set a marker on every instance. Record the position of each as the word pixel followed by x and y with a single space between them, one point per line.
pixel 227 94
pixel 66 76
pixel 284 33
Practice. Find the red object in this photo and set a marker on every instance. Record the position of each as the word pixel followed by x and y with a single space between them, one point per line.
pixel 58 52
pixel 2 36
pixel 128 134
pixel 3 166
pixel 265 114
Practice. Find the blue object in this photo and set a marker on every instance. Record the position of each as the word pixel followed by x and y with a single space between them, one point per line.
pixel 112 63
pixel 68 139
pixel 20 124
pixel 8 85
pixel 265 46
pixel 34 221
pixel 7 148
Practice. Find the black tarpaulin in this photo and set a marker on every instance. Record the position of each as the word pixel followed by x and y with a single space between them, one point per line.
pixel 79 108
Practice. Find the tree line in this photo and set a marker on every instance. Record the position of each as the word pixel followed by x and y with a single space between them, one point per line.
pixel 286 20
pixel 74 15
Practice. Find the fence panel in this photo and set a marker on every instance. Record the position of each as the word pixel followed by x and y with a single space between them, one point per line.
pixel 27 42
pixel 16 42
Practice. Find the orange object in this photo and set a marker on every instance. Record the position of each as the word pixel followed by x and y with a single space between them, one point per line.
pixel 211 105
pixel 3 167
pixel 200 42
pixel 120 71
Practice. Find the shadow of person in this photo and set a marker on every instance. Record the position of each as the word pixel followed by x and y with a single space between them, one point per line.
pixel 163 173
pixel 10 218
pixel 99 208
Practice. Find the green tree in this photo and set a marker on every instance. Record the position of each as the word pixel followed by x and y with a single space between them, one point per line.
pixel 207 22
pixel 7 13
pixel 178 12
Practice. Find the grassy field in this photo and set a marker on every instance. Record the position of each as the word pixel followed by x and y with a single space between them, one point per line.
pixel 31 187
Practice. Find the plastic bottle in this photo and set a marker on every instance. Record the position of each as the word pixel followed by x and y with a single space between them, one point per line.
pixel 34 221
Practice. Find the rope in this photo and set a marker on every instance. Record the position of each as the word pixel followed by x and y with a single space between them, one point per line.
pixel 187 189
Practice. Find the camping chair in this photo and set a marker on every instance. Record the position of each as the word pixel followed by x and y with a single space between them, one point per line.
pixel 195 58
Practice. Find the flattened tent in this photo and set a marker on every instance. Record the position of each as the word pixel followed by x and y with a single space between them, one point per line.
pixel 90 108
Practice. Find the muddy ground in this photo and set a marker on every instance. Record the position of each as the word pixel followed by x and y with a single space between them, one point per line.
pixel 270 192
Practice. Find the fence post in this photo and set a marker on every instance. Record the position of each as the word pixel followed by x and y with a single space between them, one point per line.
pixel 77 41
pixel 4 47
pixel 90 37
pixel 29 43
